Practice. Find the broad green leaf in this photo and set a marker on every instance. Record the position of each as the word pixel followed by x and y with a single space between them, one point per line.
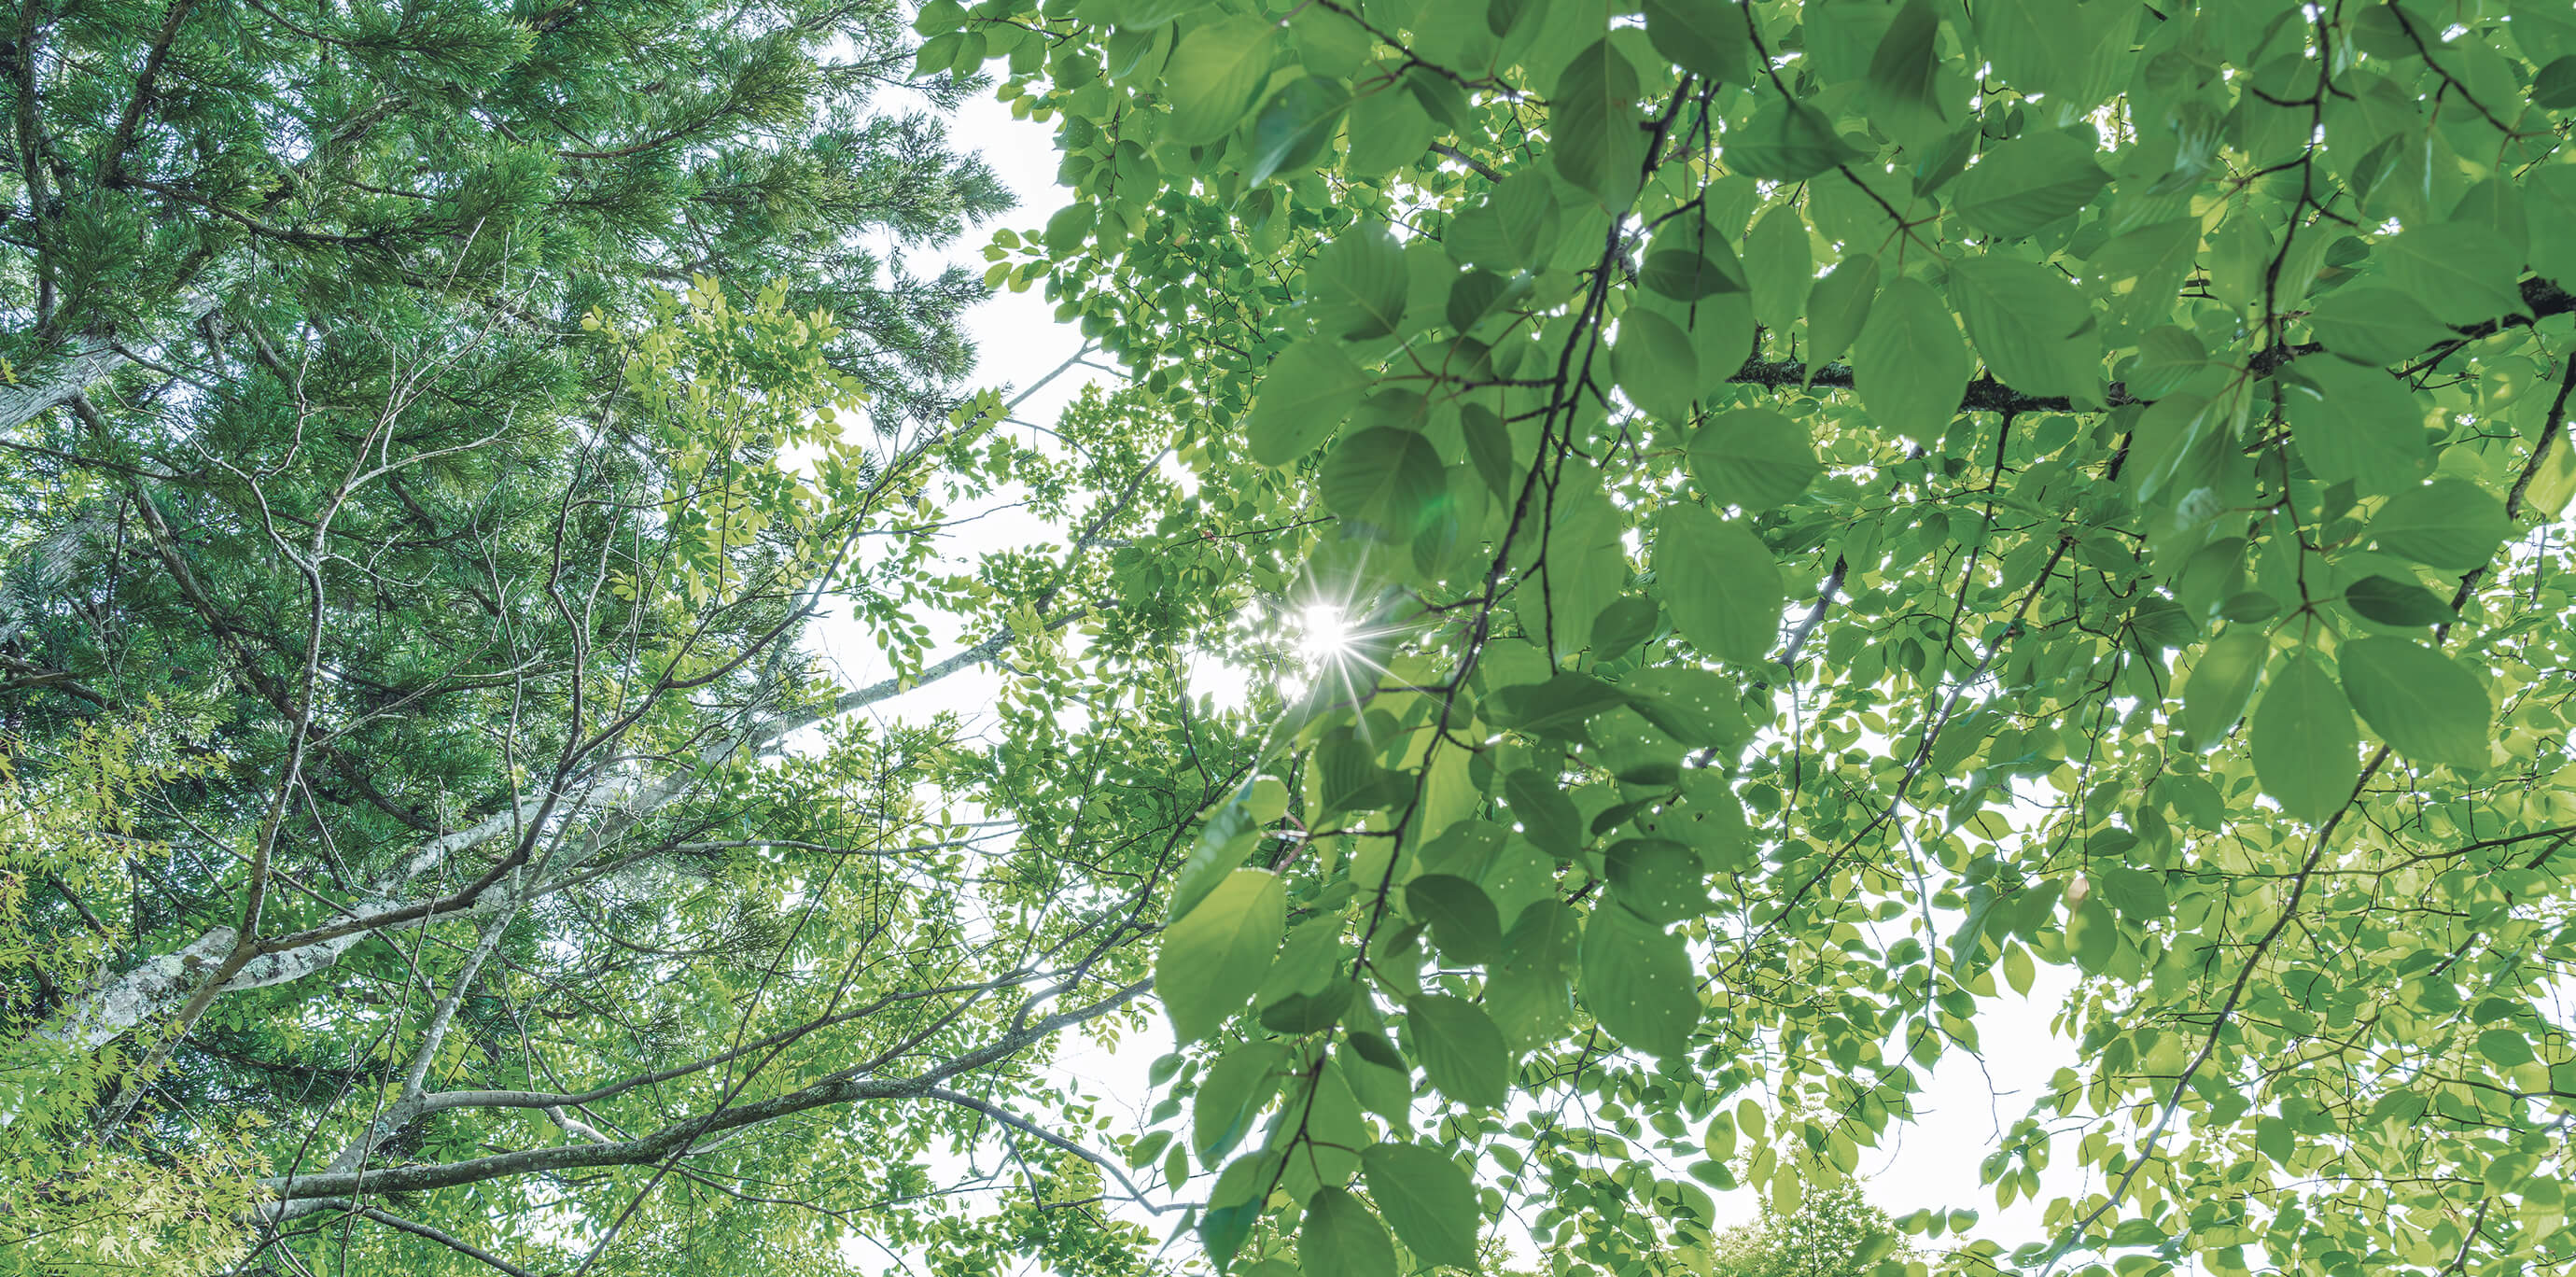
pixel 1657 879
pixel 2025 184
pixel 2092 934
pixel 2221 682
pixel 1358 283
pixel 1529 996
pixel 2375 325
pixel 1622 626
pixel 1387 478
pixel 1753 457
pixel 1388 129
pixel 2167 358
pixel 2031 325
pixel 1462 1052
pixel 1147 1149
pixel 2355 424
pixel 1655 365
pixel 1909 364
pixel 2550 192
pixel 1902 71
pixel 2451 524
pixel 1637 982
pixel 1718 582
pixel 2505 1048
pixel 1700 708
pixel 2390 601
pixel 1340 1238
pixel 1294 126
pixel 1558 707
pixel 1785 142
pixel 1709 39
pixel 2424 704
pixel 1838 307
pixel 1592 123
pixel 1429 1202
pixel 1310 388
pixel 1779 267
pixel 1514 229
pixel 1214 958
pixel 2459 274
pixel 1463 920
pixel 1237 1087
pixel 2303 741
pixel 1214 74
pixel 1549 818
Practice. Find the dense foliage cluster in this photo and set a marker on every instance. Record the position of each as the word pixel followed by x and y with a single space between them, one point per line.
pixel 1836 505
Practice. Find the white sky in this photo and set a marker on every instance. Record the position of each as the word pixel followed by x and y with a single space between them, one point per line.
pixel 1968 1103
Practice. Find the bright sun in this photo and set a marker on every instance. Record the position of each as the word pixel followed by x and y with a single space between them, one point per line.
pixel 1323 634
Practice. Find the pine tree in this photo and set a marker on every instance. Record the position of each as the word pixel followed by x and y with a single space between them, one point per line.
pixel 192 180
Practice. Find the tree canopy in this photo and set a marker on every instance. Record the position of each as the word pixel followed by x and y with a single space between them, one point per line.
pixel 1822 508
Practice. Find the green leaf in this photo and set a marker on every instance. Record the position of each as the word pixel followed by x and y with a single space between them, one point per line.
pixel 1627 622
pixel 1514 229
pixel 1709 39
pixel 1309 389
pixel 2303 741
pixel 1560 706
pixel 1902 71
pixel 2135 894
pixel 2460 274
pixel 2025 184
pixel 2019 971
pixel 1387 478
pixel 1657 879
pixel 2031 324
pixel 1546 815
pixel 1753 458
pixel 1910 366
pixel 2092 934
pixel 1637 982
pixel 1388 130
pixel 1779 267
pixel 1237 1087
pixel 2375 325
pixel 1463 920
pixel 1592 123
pixel 1697 707
pixel 2505 1048
pixel 1655 365
pixel 2550 190
pixel 1293 127
pixel 1429 1201
pixel 2451 524
pixel 1462 1052
pixel 2424 704
pixel 1688 276
pixel 1358 283
pixel 1838 306
pixel 1214 75
pixel 2554 86
pixel 2220 684
pixel 1147 1149
pixel 1214 958
pixel 2355 424
pixel 2390 601
pixel 1718 582
pixel 1785 142
pixel 1341 1239
pixel 1528 995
